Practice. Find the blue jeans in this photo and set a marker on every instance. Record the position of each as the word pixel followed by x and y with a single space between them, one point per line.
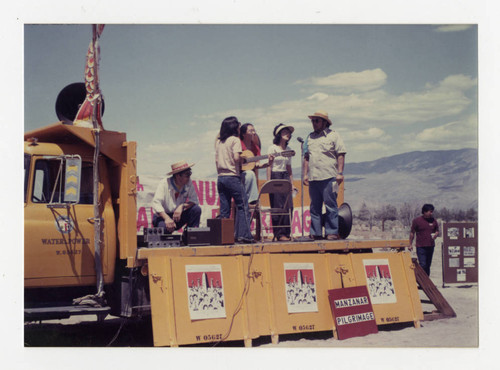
pixel 424 255
pixel 230 187
pixel 190 217
pixel 250 183
pixel 322 192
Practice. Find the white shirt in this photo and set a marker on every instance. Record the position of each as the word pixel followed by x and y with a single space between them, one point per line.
pixel 224 156
pixel 280 162
pixel 323 149
pixel 165 199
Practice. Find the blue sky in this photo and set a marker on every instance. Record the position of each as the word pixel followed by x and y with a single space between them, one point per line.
pixel 388 88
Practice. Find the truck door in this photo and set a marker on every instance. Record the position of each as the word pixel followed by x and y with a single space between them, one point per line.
pixel 59 236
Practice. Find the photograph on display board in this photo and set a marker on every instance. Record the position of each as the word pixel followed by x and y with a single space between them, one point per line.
pixel 454 251
pixel 205 292
pixel 379 281
pixel 469 262
pixel 461 274
pixel 453 232
pixel 300 287
pixel 468 232
pixel 454 262
pixel 469 251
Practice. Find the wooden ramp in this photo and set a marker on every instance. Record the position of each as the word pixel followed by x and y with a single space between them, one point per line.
pixel 443 308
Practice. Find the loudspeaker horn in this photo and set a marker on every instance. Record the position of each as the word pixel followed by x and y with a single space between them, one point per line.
pixel 345 220
pixel 69 100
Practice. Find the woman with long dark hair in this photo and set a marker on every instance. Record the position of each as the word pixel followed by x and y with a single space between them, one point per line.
pixel 229 186
pixel 281 168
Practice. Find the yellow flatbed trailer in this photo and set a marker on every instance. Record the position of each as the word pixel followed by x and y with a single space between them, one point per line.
pixel 245 289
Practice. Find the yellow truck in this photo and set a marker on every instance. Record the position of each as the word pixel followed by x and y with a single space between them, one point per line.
pixel 60 232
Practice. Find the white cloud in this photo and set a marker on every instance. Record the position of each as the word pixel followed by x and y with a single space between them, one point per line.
pixel 318 96
pixel 350 81
pixel 437 101
pixel 373 133
pixel 454 82
pixel 457 134
pixel 453 28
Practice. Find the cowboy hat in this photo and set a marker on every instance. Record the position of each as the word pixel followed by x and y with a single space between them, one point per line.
pixel 321 114
pixel 179 167
pixel 282 126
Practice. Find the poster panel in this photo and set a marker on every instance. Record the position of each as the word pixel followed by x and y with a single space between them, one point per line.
pixel 205 292
pixel 300 286
pixel 379 281
pixel 460 252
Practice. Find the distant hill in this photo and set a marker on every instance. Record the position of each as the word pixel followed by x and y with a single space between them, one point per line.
pixel 445 178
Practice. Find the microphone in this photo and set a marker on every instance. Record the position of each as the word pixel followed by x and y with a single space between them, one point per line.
pixel 300 140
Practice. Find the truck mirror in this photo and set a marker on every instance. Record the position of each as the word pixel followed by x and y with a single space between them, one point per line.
pixel 72 179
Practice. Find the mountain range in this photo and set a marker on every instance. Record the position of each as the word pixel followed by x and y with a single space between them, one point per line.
pixel 445 178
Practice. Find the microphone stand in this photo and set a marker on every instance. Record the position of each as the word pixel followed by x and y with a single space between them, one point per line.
pixel 302 238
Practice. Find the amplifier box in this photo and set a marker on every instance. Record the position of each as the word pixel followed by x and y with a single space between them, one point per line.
pixel 157 237
pixel 153 233
pixel 197 236
pixel 222 230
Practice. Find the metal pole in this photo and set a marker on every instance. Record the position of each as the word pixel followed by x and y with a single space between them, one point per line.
pixel 97 212
pixel 302 184
pixel 302 238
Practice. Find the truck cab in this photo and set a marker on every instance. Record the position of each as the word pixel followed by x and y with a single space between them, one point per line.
pixel 59 232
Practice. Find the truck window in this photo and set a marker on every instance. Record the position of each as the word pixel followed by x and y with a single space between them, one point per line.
pixel 46 171
pixel 46 181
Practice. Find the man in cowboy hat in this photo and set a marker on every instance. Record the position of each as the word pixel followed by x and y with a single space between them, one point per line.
pixel 324 154
pixel 175 202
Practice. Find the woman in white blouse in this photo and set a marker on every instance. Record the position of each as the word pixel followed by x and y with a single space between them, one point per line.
pixel 280 168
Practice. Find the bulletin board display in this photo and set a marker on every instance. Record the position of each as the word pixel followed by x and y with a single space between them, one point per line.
pixel 460 253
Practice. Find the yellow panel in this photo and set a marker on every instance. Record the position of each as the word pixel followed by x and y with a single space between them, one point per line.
pixel 162 306
pixel 193 314
pixel 298 305
pixel 393 298
pixel 259 294
pixel 127 235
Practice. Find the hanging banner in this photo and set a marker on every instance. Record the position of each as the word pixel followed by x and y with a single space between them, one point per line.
pixel 206 190
pixel 352 311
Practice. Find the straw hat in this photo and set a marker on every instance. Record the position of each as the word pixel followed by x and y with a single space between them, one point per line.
pixel 282 126
pixel 321 114
pixel 179 167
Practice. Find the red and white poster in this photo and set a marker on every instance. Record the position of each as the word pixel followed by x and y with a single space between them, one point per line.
pixel 205 292
pixel 352 312
pixel 379 281
pixel 300 287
